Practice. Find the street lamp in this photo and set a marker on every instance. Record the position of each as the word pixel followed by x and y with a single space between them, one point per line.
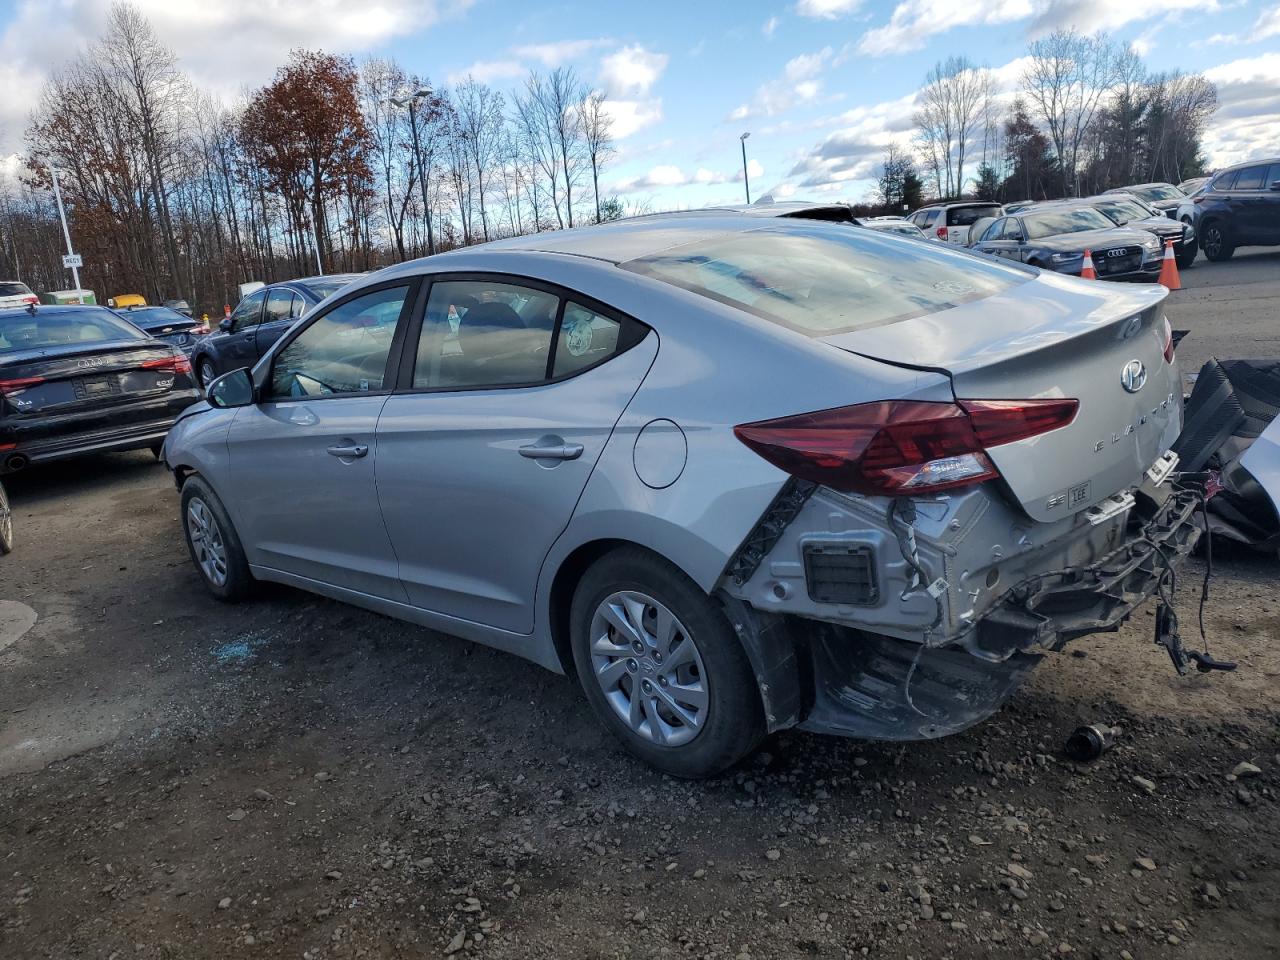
pixel 411 102
pixel 745 182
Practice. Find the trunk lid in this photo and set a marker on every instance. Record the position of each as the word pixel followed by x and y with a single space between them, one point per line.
pixel 35 382
pixel 1054 337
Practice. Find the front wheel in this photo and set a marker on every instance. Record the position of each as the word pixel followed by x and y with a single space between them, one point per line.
pixel 6 523
pixel 1216 242
pixel 212 541
pixel 661 666
pixel 1186 256
pixel 207 373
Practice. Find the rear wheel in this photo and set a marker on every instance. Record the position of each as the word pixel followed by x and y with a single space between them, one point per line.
pixel 1216 241
pixel 6 523
pixel 212 541
pixel 661 666
pixel 207 373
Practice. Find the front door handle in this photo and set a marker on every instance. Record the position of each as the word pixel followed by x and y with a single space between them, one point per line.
pixel 561 451
pixel 351 451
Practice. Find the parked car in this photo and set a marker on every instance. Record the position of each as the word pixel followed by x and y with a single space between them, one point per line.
pixel 1189 187
pixel 899 225
pixel 1055 237
pixel 15 293
pixel 1238 207
pixel 122 301
pixel 180 306
pixel 6 523
pixel 950 220
pixel 1165 197
pixel 258 321
pixel 1126 210
pixel 168 325
pixel 737 475
pixel 79 379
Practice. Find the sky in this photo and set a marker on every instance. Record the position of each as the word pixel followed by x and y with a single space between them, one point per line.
pixel 821 86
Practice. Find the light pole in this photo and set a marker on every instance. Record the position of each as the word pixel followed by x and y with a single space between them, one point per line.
pixel 745 182
pixel 57 195
pixel 411 102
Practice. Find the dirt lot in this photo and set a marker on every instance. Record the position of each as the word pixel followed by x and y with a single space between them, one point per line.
pixel 296 778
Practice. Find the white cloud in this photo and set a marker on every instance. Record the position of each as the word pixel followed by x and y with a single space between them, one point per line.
pixel 1268 24
pixel 1094 15
pixel 798 84
pixel 487 71
pixel 1247 123
pixel 632 71
pixel 560 51
pixel 914 22
pixel 770 25
pixel 668 175
pixel 630 116
pixel 827 9
pixel 852 152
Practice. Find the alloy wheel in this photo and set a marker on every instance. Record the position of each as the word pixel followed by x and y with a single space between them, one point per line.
pixel 207 374
pixel 206 542
pixel 1212 241
pixel 649 668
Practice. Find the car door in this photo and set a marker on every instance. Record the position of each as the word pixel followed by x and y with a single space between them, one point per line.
pixel 512 391
pixel 992 241
pixel 1249 224
pixel 236 345
pixel 277 317
pixel 303 458
pixel 1271 205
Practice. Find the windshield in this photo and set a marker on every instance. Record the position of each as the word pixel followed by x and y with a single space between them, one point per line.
pixel 826 280
pixel 906 229
pixel 14 290
pixel 1159 191
pixel 1050 224
pixel 1122 211
pixel 62 328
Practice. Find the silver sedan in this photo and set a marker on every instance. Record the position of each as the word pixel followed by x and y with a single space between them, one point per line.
pixel 735 474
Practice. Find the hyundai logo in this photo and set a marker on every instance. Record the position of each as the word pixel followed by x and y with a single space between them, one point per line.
pixel 1133 376
pixel 1118 252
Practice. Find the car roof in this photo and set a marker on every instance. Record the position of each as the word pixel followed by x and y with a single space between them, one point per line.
pixel 1248 163
pixel 56 309
pixel 960 203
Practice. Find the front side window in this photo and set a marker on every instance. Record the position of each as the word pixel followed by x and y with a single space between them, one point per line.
pixel 822 280
pixel 343 352
pixel 279 305
pixel 993 232
pixel 249 311
pixel 1250 178
pixel 481 333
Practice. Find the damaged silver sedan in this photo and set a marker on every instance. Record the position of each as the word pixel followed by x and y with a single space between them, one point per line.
pixel 735 474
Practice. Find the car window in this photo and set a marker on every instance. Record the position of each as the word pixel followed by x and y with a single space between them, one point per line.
pixel 14 290
pixel 1013 230
pixel 1052 224
pixel 823 280
pixel 1273 178
pixel 279 305
pixel 343 351
pixel 1250 178
pixel 585 339
pixel 1223 181
pixel 481 333
pixel 994 230
pixel 249 311
pixel 298 307
pixel 967 216
pixel 930 217
pixel 44 329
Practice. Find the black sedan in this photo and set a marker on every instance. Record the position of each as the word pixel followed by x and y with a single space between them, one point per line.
pixel 76 380
pixel 167 325
pixel 258 321
pixel 1126 210
pixel 1056 238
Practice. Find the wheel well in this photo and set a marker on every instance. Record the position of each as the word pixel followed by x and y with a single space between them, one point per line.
pixel 180 473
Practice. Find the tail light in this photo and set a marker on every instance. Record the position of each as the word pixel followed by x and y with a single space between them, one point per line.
pixel 178 364
pixel 901 446
pixel 200 330
pixel 942 233
pixel 1168 341
pixel 10 387
pixel 31 299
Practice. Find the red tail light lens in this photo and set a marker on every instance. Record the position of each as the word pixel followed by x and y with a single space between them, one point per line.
pixel 1169 346
pixel 32 299
pixel 899 446
pixel 178 364
pixel 942 233
pixel 9 387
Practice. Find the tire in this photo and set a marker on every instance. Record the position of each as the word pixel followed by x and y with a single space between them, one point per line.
pixel 720 718
pixel 6 523
pixel 211 538
pixel 207 372
pixel 1186 256
pixel 1216 241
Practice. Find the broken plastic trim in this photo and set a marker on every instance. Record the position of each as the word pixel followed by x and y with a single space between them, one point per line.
pixel 790 499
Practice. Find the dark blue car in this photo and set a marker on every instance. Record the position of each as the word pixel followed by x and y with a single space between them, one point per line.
pixel 258 322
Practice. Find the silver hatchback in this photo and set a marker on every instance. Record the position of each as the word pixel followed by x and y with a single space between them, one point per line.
pixel 736 474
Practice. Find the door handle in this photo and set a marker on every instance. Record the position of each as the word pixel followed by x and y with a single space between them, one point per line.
pixel 561 451
pixel 350 451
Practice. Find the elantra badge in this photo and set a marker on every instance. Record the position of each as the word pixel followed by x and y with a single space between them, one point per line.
pixel 1134 376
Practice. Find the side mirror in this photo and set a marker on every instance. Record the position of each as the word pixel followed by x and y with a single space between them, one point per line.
pixel 1016 238
pixel 234 389
pixel 226 324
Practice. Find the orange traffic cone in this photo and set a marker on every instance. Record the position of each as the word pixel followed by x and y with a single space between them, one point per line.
pixel 1086 271
pixel 1169 269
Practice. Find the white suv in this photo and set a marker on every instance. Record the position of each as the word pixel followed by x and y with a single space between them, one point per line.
pixel 15 293
pixel 950 221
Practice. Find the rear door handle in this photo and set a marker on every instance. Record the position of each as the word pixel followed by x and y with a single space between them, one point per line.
pixel 350 452
pixel 563 451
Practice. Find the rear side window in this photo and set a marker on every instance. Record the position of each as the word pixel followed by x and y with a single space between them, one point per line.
pixel 45 329
pixel 1250 178
pixel 824 280
pixel 1223 181
pixel 279 305
pixel 967 216
pixel 585 338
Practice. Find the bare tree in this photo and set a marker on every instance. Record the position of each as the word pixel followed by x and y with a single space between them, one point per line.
pixel 1066 80
pixel 950 115
pixel 597 134
pixel 480 120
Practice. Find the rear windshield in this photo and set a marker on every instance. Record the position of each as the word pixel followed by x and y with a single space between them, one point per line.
pixel 966 216
pixel 1064 221
pixel 14 289
pixel 824 280
pixel 24 331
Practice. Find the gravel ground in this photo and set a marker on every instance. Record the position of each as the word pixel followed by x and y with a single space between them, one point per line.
pixel 296 778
